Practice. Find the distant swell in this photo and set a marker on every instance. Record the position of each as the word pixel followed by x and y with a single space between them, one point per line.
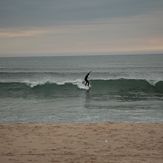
pixel 36 89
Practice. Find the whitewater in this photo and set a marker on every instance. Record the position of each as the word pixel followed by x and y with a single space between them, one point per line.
pixel 49 89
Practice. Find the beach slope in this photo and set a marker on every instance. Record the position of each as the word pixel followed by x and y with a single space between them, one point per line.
pixel 79 143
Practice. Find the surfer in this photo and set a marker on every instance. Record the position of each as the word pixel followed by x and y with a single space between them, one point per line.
pixel 86 79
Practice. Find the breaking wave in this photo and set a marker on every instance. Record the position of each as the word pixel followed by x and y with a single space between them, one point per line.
pixel 74 88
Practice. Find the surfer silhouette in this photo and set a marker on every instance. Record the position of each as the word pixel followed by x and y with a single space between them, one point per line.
pixel 86 81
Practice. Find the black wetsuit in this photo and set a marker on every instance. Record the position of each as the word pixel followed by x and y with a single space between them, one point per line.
pixel 86 80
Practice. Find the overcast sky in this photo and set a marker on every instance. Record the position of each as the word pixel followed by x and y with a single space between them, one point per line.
pixel 43 27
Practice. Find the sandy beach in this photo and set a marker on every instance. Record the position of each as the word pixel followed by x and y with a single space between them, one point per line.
pixel 78 143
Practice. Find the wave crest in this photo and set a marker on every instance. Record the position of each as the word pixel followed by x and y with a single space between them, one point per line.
pixel 37 88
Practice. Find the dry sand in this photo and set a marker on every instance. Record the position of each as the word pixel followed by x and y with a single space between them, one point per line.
pixel 81 143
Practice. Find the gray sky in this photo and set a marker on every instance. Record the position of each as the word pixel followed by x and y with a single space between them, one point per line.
pixel 40 27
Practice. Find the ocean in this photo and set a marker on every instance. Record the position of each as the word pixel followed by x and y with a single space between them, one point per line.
pixel 124 88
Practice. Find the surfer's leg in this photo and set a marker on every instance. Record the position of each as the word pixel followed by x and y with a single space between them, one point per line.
pixel 84 82
pixel 87 83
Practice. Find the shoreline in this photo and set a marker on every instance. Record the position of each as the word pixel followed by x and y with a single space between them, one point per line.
pixel 81 142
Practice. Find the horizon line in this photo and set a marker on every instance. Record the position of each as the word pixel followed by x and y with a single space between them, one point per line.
pixel 84 55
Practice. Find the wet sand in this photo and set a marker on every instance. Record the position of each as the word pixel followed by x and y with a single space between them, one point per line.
pixel 81 143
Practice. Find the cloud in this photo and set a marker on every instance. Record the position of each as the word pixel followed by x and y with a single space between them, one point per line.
pixel 19 33
pixel 44 13
pixel 111 35
pixel 37 26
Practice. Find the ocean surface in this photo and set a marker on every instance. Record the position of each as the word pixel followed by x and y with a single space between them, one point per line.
pixel 124 88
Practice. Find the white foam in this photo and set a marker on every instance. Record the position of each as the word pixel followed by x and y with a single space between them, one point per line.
pixel 152 82
pixel 77 82
pixel 34 83
pixel 82 86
